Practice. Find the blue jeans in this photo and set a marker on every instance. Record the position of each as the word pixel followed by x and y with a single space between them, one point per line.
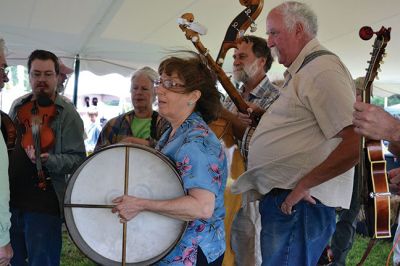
pixel 35 238
pixel 296 239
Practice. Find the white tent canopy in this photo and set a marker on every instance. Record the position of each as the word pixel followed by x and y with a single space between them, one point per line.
pixel 124 35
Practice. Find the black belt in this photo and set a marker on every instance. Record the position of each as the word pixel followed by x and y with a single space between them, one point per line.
pixel 277 191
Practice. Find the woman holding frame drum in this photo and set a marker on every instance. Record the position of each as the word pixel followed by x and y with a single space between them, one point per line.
pixel 188 98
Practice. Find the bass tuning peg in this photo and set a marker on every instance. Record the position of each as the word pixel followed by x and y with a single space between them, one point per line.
pixel 253 27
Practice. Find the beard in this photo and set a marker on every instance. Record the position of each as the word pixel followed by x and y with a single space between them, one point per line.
pixel 245 73
pixel 275 53
pixel 240 75
pixel 43 89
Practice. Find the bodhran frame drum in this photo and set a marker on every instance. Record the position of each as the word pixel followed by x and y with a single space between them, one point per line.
pixel 114 171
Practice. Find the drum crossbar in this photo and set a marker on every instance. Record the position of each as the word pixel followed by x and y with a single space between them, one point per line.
pixel 124 229
pixel 77 205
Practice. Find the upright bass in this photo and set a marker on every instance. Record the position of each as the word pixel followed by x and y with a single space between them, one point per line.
pixel 191 34
pixel 235 30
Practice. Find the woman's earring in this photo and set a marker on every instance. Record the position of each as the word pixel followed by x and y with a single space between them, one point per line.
pixel 190 103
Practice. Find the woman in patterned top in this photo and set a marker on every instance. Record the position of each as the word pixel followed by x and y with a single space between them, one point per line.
pixel 188 98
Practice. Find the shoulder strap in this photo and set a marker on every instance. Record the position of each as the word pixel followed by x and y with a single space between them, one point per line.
pixel 307 60
pixel 312 56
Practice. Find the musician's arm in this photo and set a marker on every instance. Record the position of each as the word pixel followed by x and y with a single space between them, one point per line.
pixel 238 126
pixel 203 171
pixel 374 122
pixel 342 158
pixel 198 204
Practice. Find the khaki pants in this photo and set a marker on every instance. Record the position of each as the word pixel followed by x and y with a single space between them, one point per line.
pixel 245 235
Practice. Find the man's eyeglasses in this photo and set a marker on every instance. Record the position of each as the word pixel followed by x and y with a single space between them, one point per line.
pixel 168 84
pixel 46 75
pixel 5 70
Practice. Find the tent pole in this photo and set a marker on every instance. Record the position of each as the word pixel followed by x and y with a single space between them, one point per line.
pixel 76 71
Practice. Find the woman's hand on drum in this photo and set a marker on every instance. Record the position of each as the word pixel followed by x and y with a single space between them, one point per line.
pixel 127 207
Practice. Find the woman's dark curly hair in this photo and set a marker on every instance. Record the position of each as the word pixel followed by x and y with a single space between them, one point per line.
pixel 193 70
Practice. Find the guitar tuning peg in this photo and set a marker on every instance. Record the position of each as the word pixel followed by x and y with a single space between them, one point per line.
pixel 384 55
pixel 377 77
pixel 379 69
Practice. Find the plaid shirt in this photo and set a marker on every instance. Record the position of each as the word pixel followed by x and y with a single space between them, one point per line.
pixel 263 95
pixel 119 128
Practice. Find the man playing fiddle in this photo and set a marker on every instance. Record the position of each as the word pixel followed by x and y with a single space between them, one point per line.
pixel 37 187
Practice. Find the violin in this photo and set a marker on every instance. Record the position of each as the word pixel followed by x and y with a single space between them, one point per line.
pixel 35 118
pixel 9 131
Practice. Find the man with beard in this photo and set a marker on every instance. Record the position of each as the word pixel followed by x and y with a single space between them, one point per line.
pixel 302 154
pixel 37 196
pixel 6 251
pixel 252 60
pixel 62 77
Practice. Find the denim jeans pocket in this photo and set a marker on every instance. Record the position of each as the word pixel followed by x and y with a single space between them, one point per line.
pixel 319 220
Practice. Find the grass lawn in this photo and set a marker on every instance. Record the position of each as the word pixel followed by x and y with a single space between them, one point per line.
pixel 71 256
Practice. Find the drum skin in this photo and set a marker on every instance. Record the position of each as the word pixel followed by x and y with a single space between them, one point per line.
pixel 103 176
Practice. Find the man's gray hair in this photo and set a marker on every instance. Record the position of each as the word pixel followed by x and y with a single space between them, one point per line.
pixel 150 73
pixel 295 12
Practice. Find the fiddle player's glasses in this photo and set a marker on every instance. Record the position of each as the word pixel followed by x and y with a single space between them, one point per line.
pixel 46 75
pixel 5 70
pixel 169 85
